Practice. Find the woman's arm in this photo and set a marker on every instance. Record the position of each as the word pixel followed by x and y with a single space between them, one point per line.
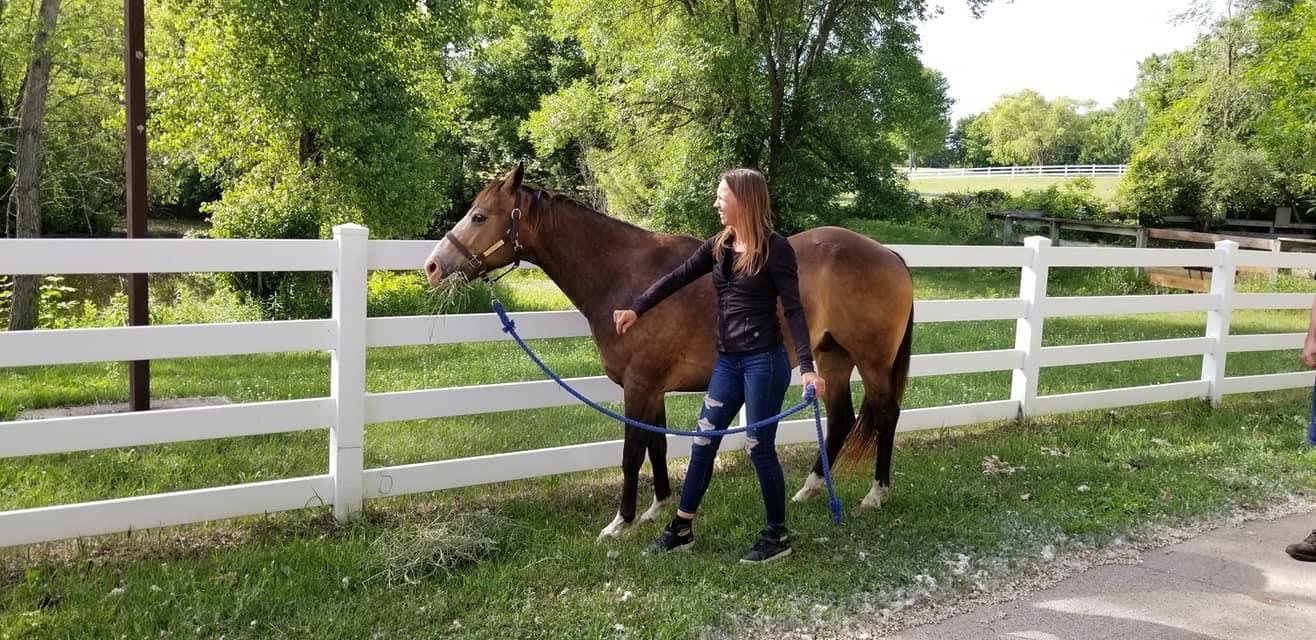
pixel 784 270
pixel 699 263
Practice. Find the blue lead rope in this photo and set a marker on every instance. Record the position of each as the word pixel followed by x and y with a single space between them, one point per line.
pixel 810 399
pixel 1311 424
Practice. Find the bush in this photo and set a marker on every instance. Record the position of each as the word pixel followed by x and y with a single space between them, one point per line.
pixel 1074 199
pixel 959 216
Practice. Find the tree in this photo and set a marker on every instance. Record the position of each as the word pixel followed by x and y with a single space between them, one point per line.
pixel 808 92
pixel 968 142
pixel 1209 149
pixel 919 116
pixel 1025 128
pixel 1109 133
pixel 1287 129
pixel 27 162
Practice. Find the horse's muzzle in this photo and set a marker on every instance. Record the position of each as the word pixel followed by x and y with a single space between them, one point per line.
pixel 433 271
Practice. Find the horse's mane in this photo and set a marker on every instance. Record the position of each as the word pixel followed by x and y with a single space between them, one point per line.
pixel 554 199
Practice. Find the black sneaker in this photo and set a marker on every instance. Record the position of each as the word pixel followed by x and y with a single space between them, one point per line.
pixel 1305 550
pixel 677 536
pixel 772 545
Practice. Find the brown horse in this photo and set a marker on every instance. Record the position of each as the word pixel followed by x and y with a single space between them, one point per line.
pixel 857 294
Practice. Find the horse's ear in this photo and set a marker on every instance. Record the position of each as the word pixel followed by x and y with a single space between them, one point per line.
pixel 512 181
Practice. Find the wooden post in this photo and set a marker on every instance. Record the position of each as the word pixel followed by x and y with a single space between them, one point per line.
pixel 1275 248
pixel 1217 319
pixel 1028 329
pixel 1140 242
pixel 1055 232
pixel 1007 230
pixel 347 371
pixel 134 166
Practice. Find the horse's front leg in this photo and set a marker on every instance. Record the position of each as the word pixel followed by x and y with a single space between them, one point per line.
pixel 647 407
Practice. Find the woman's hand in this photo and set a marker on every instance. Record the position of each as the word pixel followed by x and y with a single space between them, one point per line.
pixel 819 386
pixel 623 318
pixel 1309 352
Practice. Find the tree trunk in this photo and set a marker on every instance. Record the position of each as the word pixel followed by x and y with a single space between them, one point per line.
pixel 27 166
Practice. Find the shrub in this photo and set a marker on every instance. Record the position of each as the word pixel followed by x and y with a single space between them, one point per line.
pixel 1073 199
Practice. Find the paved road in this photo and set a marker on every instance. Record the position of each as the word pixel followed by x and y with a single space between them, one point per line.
pixel 1233 583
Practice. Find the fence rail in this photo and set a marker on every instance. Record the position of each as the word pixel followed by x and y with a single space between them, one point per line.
pixel 1019 171
pixel 348 333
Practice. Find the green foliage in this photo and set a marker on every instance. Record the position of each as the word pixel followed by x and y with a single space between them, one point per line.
pixel 919 116
pixel 1228 121
pixel 1242 180
pixel 1109 133
pixel 82 135
pixel 812 94
pixel 1026 128
pixel 341 116
pixel 1072 199
pixel 1287 129
pixel 968 143
pixel 958 218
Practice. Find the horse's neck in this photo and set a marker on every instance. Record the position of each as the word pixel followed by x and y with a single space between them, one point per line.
pixel 591 257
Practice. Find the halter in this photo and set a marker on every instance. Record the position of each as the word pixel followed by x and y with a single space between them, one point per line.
pixel 513 236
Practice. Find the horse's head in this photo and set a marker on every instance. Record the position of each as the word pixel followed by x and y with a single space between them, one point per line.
pixel 488 236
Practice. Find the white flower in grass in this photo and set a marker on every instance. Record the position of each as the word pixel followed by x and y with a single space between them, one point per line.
pixel 1082 488
pixel 118 591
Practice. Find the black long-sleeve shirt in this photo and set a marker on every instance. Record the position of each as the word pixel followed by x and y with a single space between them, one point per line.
pixel 746 305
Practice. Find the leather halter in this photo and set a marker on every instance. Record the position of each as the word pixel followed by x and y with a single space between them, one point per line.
pixel 512 236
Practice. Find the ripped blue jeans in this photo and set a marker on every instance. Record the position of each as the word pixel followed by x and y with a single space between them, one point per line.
pixel 758 381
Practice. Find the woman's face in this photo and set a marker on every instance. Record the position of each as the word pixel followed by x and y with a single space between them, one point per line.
pixel 728 208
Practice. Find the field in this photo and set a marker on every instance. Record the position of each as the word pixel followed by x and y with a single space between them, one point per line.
pixel 1104 186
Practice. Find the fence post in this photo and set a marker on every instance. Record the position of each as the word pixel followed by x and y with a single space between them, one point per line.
pixel 1140 242
pixel 1276 246
pixel 1028 329
pixel 348 370
pixel 1217 319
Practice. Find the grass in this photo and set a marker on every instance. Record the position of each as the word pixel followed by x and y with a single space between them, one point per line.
pixel 1105 186
pixel 518 559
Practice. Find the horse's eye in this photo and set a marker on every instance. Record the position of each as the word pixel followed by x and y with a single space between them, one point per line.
pixel 479 218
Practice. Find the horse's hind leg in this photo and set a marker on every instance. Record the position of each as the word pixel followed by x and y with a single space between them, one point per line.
pixel 883 408
pixel 835 367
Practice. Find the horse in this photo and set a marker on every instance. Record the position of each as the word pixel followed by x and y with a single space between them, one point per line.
pixel 857 295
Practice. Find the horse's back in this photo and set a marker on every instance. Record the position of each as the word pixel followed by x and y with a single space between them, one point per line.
pixel 855 290
pixel 834 256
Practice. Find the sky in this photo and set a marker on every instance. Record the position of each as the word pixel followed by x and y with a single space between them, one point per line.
pixel 1082 49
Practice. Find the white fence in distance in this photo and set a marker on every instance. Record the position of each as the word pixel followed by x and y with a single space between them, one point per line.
pixel 1050 170
pixel 348 334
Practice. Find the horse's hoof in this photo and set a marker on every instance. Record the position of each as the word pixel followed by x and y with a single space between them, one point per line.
pixel 655 510
pixel 876 496
pixel 812 486
pixel 614 529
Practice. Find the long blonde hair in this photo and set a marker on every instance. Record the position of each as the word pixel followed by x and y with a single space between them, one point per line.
pixel 751 191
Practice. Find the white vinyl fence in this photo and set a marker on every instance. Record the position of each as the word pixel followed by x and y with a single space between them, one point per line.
pixel 1053 170
pixel 348 333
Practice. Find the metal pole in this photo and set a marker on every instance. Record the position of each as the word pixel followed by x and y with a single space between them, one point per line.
pixel 134 68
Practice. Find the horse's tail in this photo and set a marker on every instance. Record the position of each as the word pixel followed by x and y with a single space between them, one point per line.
pixel 880 411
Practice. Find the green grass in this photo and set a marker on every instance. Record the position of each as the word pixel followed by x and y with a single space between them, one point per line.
pixel 1105 186
pixel 525 561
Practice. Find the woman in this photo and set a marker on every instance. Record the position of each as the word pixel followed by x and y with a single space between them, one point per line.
pixel 752 267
